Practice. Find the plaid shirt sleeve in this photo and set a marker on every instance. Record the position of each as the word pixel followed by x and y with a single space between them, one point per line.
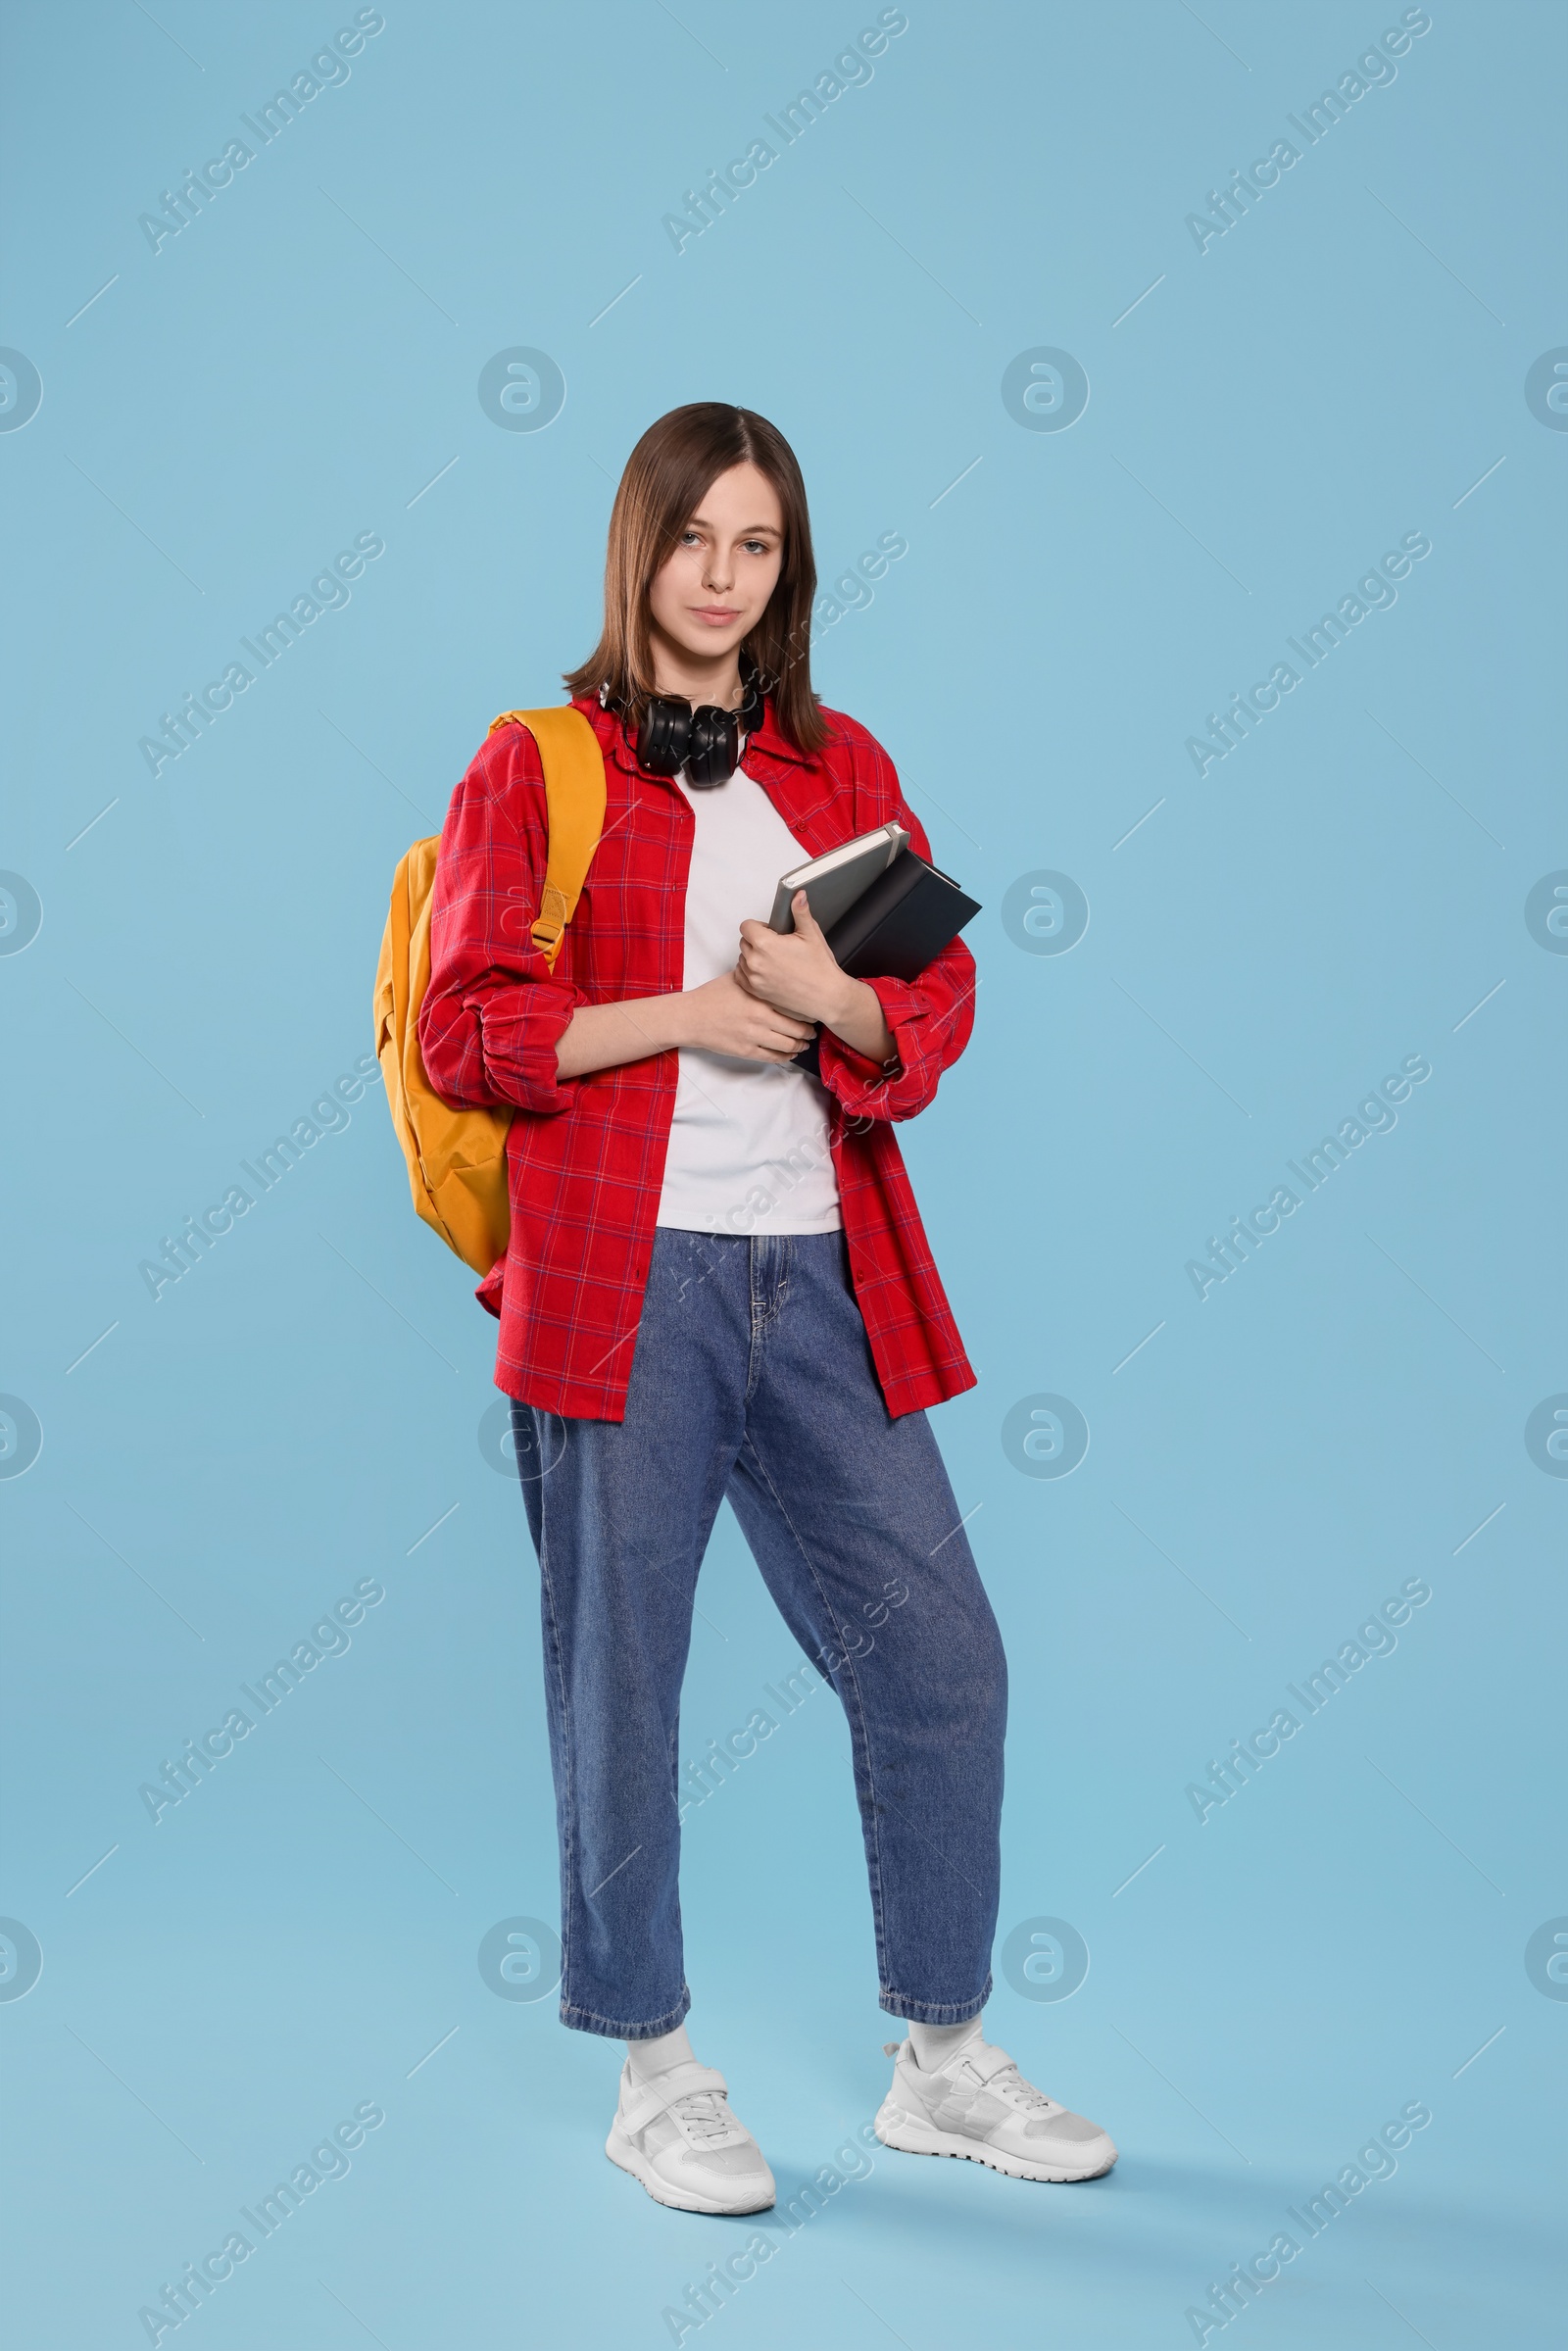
pixel 930 1018
pixel 492 1014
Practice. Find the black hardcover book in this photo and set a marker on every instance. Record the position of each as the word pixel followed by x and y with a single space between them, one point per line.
pixel 904 920
pixel 896 927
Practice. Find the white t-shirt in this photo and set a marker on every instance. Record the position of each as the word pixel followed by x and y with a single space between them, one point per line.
pixel 748 1144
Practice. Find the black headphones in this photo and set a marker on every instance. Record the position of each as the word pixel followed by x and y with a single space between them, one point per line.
pixel 705 740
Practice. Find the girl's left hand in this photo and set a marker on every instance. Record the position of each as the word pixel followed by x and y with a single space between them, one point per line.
pixel 794 972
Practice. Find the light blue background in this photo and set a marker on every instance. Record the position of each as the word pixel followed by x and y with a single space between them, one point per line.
pixel 295 368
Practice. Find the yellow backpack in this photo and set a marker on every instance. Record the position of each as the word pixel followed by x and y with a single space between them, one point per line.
pixel 458 1159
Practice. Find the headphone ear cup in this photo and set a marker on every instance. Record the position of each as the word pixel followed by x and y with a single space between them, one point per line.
pixel 715 746
pixel 665 736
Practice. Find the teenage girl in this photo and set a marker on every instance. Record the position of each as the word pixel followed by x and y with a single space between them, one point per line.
pixel 717 1284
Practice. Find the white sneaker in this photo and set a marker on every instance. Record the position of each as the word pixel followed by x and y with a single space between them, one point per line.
pixel 978 2105
pixel 676 2134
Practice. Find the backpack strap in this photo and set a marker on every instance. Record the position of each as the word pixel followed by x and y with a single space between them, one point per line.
pixel 574 796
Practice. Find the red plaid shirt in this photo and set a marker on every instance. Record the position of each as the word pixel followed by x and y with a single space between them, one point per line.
pixel 586 1157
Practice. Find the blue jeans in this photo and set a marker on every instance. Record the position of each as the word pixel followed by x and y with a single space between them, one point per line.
pixel 753 1379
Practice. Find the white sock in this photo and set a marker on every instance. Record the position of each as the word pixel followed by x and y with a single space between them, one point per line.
pixel 651 2057
pixel 934 2044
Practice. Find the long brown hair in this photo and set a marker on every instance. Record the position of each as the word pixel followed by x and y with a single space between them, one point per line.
pixel 667 475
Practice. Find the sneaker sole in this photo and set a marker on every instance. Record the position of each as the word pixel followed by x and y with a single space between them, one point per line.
pixel 906 2136
pixel 620 2149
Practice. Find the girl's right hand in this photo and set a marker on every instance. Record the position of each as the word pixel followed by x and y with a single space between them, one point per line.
pixel 723 1017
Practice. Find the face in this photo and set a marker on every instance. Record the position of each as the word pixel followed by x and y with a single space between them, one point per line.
pixel 710 593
